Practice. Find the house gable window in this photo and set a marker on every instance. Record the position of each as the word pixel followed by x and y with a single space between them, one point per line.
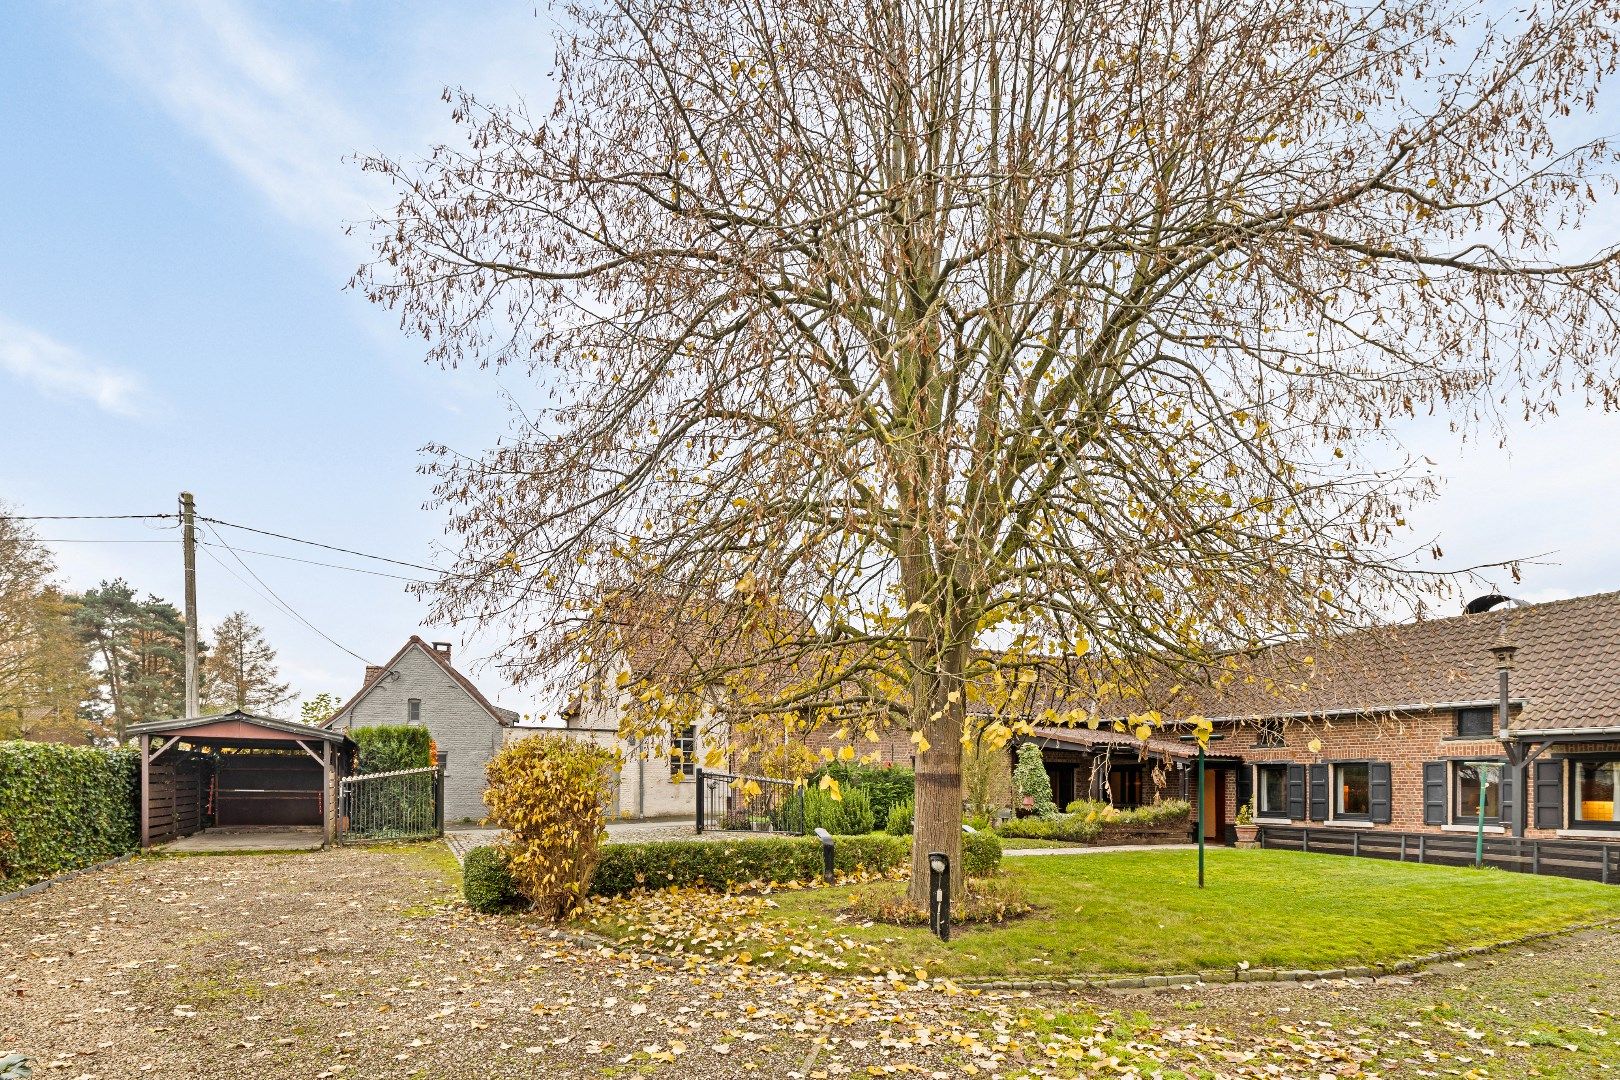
pixel 1465 805
pixel 1476 723
pixel 1271 790
pixel 1352 790
pixel 683 751
pixel 1270 735
pixel 1594 793
pixel 413 711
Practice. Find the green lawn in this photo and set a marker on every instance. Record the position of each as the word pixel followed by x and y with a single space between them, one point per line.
pixel 1142 912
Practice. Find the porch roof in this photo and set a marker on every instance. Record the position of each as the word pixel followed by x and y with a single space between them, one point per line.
pixel 1081 738
pixel 237 726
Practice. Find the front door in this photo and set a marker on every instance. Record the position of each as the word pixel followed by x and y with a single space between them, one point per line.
pixel 1214 804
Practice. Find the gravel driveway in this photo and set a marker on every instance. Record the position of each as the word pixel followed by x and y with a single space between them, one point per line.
pixel 358 963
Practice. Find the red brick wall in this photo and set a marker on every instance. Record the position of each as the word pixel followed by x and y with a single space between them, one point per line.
pixel 1405 742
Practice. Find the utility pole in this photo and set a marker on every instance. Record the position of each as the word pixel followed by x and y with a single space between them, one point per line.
pixel 188 541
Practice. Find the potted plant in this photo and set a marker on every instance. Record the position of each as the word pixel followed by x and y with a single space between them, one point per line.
pixel 1248 833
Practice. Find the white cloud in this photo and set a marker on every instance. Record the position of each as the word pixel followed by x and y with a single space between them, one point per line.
pixel 257 99
pixel 61 371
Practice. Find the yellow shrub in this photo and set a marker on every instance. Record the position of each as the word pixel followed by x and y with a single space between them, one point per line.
pixel 547 792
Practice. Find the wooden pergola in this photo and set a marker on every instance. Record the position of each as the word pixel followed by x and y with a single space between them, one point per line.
pixel 163 797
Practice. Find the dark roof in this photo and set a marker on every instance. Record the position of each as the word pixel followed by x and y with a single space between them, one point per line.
pixel 1085 738
pixel 1566 674
pixel 504 717
pixel 291 728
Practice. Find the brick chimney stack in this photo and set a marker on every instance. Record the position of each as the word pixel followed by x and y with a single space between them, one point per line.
pixel 443 649
pixel 372 671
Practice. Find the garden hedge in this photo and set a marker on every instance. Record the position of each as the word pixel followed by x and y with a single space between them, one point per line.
pixel 981 854
pixel 487 883
pixel 717 864
pixel 391 747
pixel 883 785
pixel 63 808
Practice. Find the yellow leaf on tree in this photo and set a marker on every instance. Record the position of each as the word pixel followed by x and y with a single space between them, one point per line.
pixel 846 753
pixel 1315 746
pixel 920 742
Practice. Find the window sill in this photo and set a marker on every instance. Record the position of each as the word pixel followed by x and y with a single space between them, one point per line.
pixel 1496 829
pixel 1269 820
pixel 1588 834
pixel 1347 823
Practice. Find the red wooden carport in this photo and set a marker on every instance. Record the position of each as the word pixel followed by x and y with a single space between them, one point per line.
pixel 202 767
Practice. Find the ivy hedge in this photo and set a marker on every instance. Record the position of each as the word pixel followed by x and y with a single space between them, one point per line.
pixel 63 808
pixel 718 864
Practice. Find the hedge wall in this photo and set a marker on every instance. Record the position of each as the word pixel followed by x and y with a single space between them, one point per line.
pixel 391 747
pixel 64 807
pixel 719 863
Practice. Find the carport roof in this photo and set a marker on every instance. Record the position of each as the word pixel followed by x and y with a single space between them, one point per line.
pixel 228 725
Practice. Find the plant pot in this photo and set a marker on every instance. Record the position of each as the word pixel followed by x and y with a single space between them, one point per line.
pixel 1248 836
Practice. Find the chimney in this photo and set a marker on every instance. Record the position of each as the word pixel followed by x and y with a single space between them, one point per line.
pixel 372 671
pixel 443 649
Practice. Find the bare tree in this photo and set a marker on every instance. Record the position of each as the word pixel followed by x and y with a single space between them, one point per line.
pixel 897 346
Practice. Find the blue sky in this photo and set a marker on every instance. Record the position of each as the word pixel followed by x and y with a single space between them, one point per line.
pixel 172 314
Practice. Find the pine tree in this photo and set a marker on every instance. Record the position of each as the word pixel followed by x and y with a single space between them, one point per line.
pixel 240 670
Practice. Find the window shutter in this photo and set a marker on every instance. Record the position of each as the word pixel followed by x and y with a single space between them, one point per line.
pixel 1549 794
pixel 1319 792
pixel 1509 804
pixel 1245 785
pixel 1434 793
pixel 1379 792
pixel 1296 793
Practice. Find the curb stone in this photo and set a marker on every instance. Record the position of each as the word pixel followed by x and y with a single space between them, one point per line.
pixel 41 886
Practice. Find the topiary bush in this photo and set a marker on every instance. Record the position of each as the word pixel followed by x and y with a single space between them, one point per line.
pixel 900 818
pixel 717 864
pixel 547 792
pixel 63 808
pixel 1030 780
pixel 391 747
pixel 981 854
pixel 486 883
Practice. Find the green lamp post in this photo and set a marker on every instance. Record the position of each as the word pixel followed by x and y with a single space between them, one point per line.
pixel 1201 747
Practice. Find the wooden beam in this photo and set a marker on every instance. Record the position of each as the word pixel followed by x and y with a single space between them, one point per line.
pixel 320 757
pixel 146 792
pixel 168 742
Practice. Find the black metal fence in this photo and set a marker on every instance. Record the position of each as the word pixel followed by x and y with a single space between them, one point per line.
pixel 733 803
pixel 403 805
pixel 1585 859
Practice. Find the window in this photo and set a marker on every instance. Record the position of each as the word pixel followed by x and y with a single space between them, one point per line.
pixel 1352 790
pixel 1271 790
pixel 1466 808
pixel 1476 723
pixel 1270 734
pixel 1595 785
pixel 683 751
pixel 413 711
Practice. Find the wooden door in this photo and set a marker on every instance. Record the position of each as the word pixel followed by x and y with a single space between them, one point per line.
pixel 1214 804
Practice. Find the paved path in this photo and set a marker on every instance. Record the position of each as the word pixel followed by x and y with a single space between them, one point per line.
pixel 264 838
pixel 1106 849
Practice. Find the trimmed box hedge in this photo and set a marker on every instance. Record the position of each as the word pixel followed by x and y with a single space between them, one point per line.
pixel 486 882
pixel 63 808
pixel 718 864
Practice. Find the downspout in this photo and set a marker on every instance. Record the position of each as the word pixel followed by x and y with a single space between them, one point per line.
pixel 641 778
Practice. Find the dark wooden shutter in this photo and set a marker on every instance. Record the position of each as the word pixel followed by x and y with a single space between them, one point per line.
pixel 1296 793
pixel 1549 794
pixel 1245 785
pixel 1509 803
pixel 1319 792
pixel 1434 793
pixel 1378 785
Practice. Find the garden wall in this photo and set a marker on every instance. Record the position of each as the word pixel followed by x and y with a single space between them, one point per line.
pixel 64 807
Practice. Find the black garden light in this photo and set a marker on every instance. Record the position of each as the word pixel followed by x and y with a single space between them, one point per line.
pixel 826 854
pixel 939 894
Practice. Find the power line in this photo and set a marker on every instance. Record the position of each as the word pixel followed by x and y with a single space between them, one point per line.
pixel 285 606
pixel 316 543
pixel 84 517
pixel 98 540
pixel 317 562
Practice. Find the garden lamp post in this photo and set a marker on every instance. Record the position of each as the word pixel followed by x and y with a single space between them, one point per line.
pixel 1201 747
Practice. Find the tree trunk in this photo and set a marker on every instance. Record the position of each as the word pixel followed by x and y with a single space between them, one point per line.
pixel 937 822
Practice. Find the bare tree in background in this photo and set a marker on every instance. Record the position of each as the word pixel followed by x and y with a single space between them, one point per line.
pixel 894 347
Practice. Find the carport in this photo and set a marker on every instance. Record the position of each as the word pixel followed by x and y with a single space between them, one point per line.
pixel 240 771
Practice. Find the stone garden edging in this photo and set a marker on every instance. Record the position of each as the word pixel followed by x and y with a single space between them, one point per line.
pixel 1271 975
pixel 41 886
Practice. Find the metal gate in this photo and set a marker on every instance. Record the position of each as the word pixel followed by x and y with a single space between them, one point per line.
pixel 403 805
pixel 748 804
